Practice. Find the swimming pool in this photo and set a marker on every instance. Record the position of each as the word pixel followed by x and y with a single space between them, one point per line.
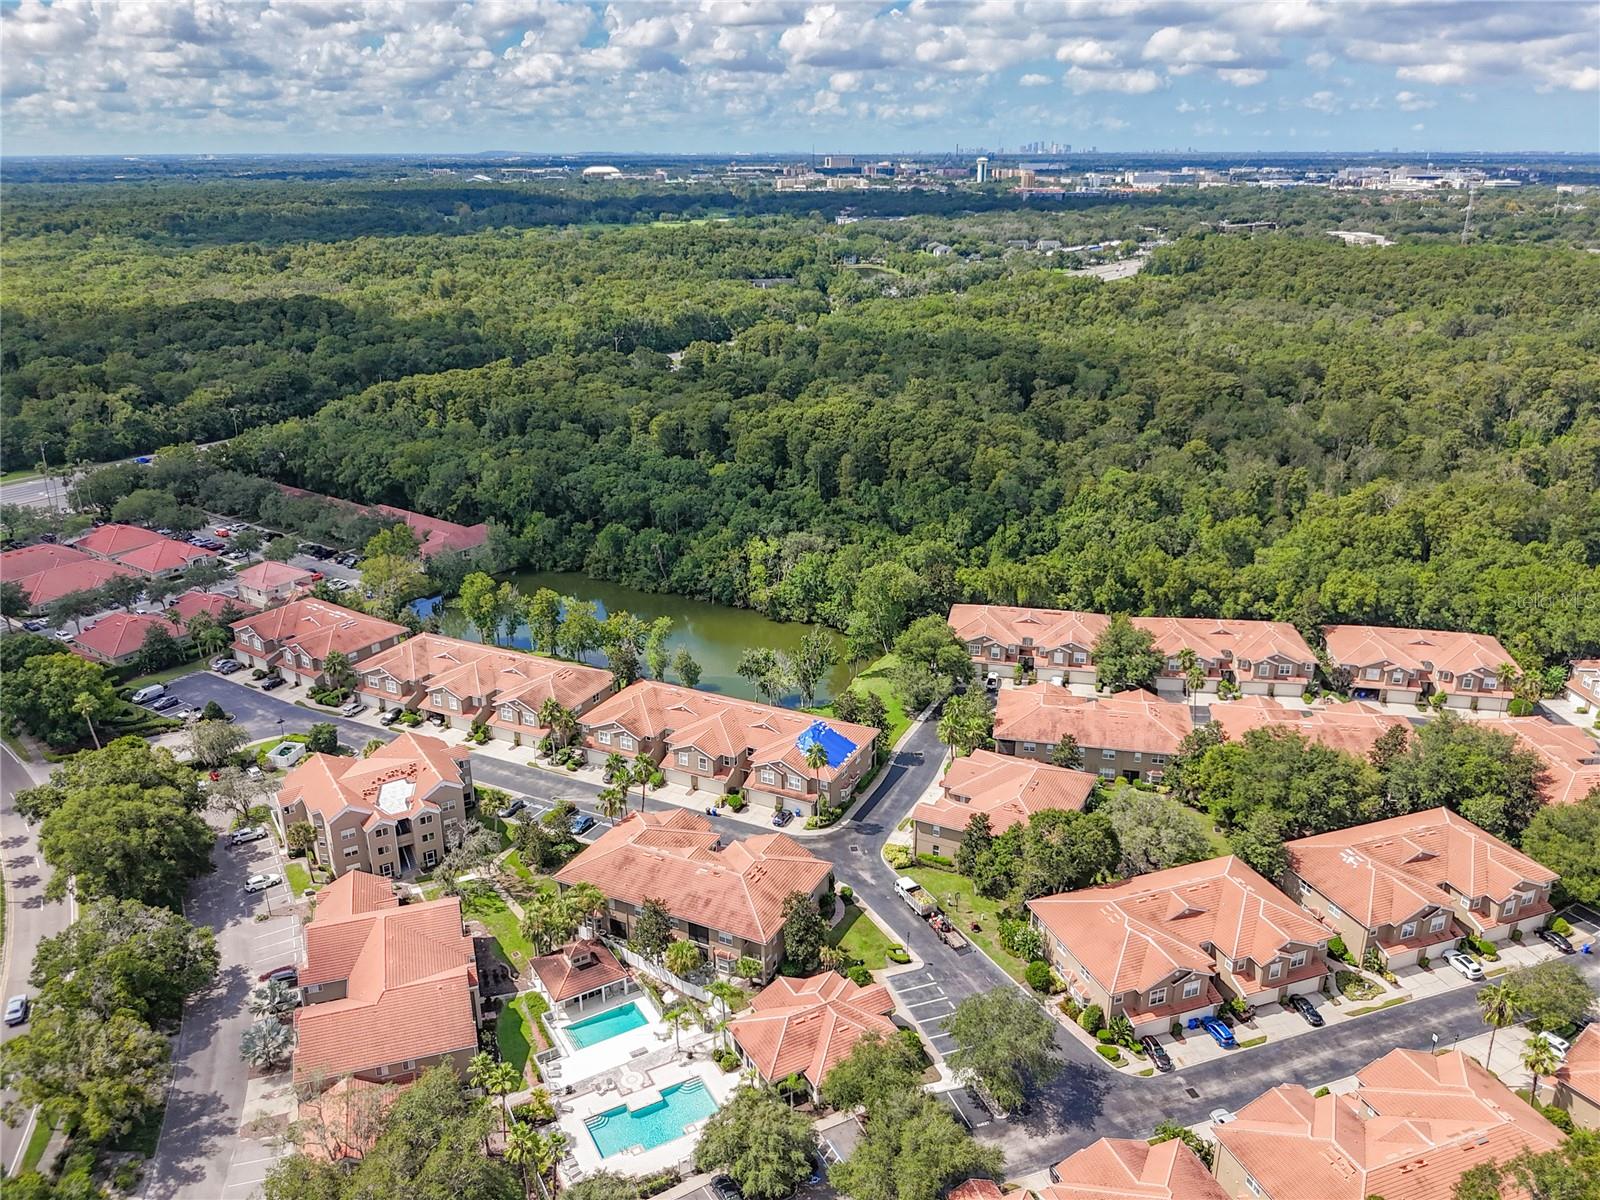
pixel 593 1030
pixel 616 1129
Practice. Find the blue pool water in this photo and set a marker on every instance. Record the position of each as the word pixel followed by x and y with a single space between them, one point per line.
pixel 681 1104
pixel 592 1030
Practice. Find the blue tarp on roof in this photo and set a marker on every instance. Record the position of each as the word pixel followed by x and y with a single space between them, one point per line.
pixel 834 744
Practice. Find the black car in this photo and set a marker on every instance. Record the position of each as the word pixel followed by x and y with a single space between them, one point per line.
pixel 1552 938
pixel 1307 1010
pixel 1158 1056
pixel 582 825
pixel 782 817
pixel 164 703
pixel 275 682
pixel 512 809
pixel 726 1189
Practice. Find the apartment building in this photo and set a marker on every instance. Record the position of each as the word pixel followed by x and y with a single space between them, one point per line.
pixel 1571 756
pixel 725 898
pixel 1413 885
pixel 268 583
pixel 399 810
pixel 1132 1169
pixel 140 549
pixel 46 572
pixel 1353 727
pixel 468 682
pixel 1577 1085
pixel 1056 645
pixel 1583 684
pixel 1006 790
pixel 1416 1123
pixel 298 637
pixel 806 1027
pixel 1130 735
pixel 117 638
pixel 1173 944
pixel 1407 666
pixel 387 991
pixel 719 744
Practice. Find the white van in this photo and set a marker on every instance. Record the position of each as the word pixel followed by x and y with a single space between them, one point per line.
pixel 146 694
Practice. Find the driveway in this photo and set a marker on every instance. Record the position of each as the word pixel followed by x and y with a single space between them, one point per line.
pixel 259 712
pixel 201 1154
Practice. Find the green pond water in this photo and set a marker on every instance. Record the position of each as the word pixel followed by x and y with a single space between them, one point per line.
pixel 715 634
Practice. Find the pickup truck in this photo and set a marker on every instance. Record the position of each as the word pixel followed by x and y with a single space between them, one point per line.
pixel 914 894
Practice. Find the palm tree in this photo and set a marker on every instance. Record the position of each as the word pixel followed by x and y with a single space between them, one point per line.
pixel 559 720
pixel 1541 1059
pixel 523 1150
pixel 616 769
pixel 547 921
pixel 585 902
pixel 831 958
pixel 1194 675
pixel 682 1015
pixel 1499 1003
pixel 726 996
pixel 210 639
pixel 643 772
pixel 816 756
pixel 267 1043
pixel 613 802
pixel 272 998
pixel 497 1079
pixel 84 705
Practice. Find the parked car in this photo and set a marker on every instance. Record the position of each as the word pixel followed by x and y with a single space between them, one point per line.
pixel 218 663
pixel 782 817
pixel 1551 937
pixel 16 1010
pixel 512 809
pixel 1158 1055
pixel 288 973
pixel 582 824
pixel 389 716
pixel 352 709
pixel 1219 1031
pixel 1221 1116
pixel 1464 963
pixel 35 626
pixel 260 883
pixel 228 668
pixel 436 719
pixel 1559 1044
pixel 251 833
pixel 146 694
pixel 63 635
pixel 276 681
pixel 726 1189
pixel 991 682
pixel 315 576
pixel 1307 1010
pixel 165 703
pixel 339 585
pixel 223 531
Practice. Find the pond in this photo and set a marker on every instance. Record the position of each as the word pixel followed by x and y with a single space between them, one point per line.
pixel 714 633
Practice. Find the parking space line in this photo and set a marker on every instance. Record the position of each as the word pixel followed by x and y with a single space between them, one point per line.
pixel 919 987
pixel 925 1003
pixel 266 1158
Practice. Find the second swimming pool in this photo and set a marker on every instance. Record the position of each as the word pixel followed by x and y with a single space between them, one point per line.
pixel 593 1030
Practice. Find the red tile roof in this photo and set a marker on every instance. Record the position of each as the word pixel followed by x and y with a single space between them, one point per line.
pixel 1219 641
pixel 1134 721
pixel 191 603
pixel 976 1189
pixel 499 676
pixel 677 858
pixel 576 969
pixel 1416 1123
pixel 1386 871
pixel 807 1026
pixel 1353 727
pixel 266 575
pixel 1571 756
pixel 434 533
pixel 1007 790
pixel 119 634
pixel 1132 1169
pixel 113 541
pixel 395 781
pixel 409 973
pixel 1581 1070
pixel 319 628
pixel 1427 651
pixel 163 554
pixel 1039 628
pixel 1133 934
pixel 46 572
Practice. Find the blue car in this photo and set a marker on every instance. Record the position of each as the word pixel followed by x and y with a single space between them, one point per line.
pixel 1218 1030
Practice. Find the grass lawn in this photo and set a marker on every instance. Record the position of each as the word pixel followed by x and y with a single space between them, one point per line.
pixel 513 863
pixel 483 903
pixel 166 676
pixel 858 936
pixel 37 1141
pixel 515 1034
pixel 963 906
pixel 299 877
pixel 14 744
pixel 19 475
pixel 490 799
pixel 874 678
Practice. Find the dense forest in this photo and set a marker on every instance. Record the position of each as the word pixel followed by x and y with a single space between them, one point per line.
pixel 1269 425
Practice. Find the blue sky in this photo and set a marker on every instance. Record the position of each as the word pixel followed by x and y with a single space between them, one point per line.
pixel 714 76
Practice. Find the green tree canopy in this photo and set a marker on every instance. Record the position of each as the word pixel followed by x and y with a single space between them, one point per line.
pixel 765 1146
pixel 1125 656
pixel 1563 837
pixel 1004 1042
pixel 125 956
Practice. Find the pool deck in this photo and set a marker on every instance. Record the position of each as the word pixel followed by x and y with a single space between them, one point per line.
pixel 578 1063
pixel 576 1111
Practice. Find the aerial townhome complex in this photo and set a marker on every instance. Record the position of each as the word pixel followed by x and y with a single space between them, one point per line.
pixel 297 638
pixel 1412 665
pixel 1006 790
pixel 1131 735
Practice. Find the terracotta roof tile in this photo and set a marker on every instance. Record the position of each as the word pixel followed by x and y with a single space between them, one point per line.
pixel 112 541
pixel 675 857
pixel 806 1026
pixel 1353 727
pixel 120 633
pixel 1007 790
pixel 1130 1169
pixel 1135 721
pixel 163 554
pixel 1043 628
pixel 1428 651
pixel 394 781
pixel 194 602
pixel 1571 756
pixel 1216 640
pixel 267 574
pixel 48 572
pixel 1581 1070
pixel 319 628
pixel 471 669
pixel 976 1189
pixel 577 968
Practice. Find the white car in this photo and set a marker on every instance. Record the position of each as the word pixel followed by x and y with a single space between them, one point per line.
pixel 251 833
pixel 1221 1116
pixel 1464 963
pixel 1559 1044
pixel 260 883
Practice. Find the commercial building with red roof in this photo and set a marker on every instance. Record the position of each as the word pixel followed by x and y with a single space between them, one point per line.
pixel 726 899
pixel 1132 1169
pixel 1132 735
pixel 1173 944
pixel 298 637
pixel 1571 756
pixel 583 969
pixel 806 1027
pixel 1416 1123
pixel 1577 1085
pixel 1405 883
pixel 143 550
pixel 117 638
pixel 467 682
pixel 723 744
pixel 47 572
pixel 267 583
pixel 389 991
pixel 1404 666
pixel 393 812
pixel 1353 727
pixel 1006 790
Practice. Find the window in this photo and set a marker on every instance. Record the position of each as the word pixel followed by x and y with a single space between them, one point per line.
pixel 1466 683
pixel 1158 995
pixel 429 857
pixel 428 837
pixel 381 831
pixel 1264 671
pixel 1057 657
pixel 1275 970
pixel 448 806
pixel 1285 669
pixel 1435 925
pixel 1108 772
pixel 1490 683
pixel 1191 989
pixel 352 852
pixel 626 742
pixel 1174 665
pixel 1158 760
pixel 508 712
pixel 1509 907
pixel 1079 658
pixel 347 835
pixel 390 686
pixel 1138 756
pixel 683 758
pixel 725 938
pixel 425 819
pixel 385 868
pixel 1255 1188
pixel 705 763
pixel 768 775
pixel 937 831
pixel 1108 754
pixel 994 653
pixel 1409 929
pixel 975 647
pixel 1373 673
pixel 604 737
pixel 1029 747
pixel 795 783
pixel 381 850
pixel 1297 959
pixel 1335 911
pixel 455 704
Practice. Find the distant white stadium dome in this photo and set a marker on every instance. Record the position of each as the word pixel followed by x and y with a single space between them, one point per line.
pixel 601 172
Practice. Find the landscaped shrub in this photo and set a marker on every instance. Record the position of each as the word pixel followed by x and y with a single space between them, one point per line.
pixel 1092 1019
pixel 859 976
pixel 1338 950
pixel 846 893
pixel 1422 961
pixel 1320 1092
pixel 1560 925
pixel 1521 708
pixel 728 1061
pixel 1121 1030
pixel 897 954
pixel 736 802
pixel 1105 1037
pixel 826 904
pixel 897 856
pixel 1110 1053
pixel 1021 939
pixel 937 861
pixel 1037 974
pixel 1070 1008
pixel 1516 936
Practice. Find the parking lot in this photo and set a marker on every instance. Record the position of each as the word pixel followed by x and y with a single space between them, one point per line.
pixel 921 996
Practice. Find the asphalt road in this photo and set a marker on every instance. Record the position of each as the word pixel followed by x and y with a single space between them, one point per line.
pixel 39 492
pixel 29 919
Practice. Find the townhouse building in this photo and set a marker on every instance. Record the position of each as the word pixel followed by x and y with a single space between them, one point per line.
pixel 1571 756
pixel 1132 1169
pixel 1583 683
pixel 1353 727
pixel 268 583
pixel 1130 735
pixel 1413 885
pixel 468 683
pixel 726 898
pixel 399 810
pixel 1415 1124
pixel 46 572
pixel 1407 666
pixel 1172 945
pixel 1577 1083
pixel 806 1027
pixel 1006 790
pixel 387 991
pixel 719 744
pixel 298 637
pixel 116 639
pixel 142 550
pixel 1056 645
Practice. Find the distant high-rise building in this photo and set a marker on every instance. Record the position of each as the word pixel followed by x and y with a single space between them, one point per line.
pixel 838 161
pixel 983 169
